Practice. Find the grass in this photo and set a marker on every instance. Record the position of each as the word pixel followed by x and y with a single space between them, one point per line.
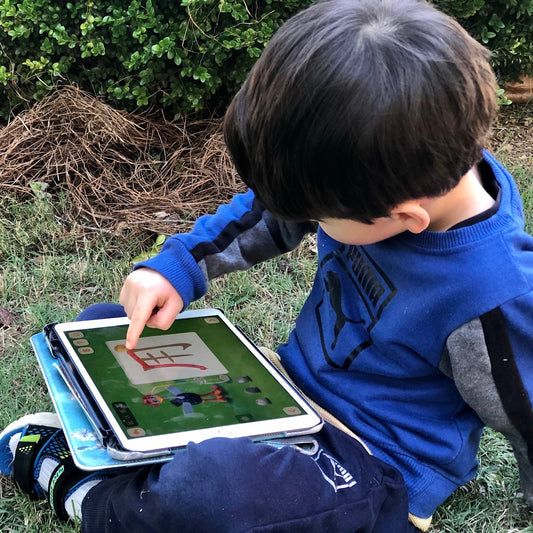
pixel 491 503
pixel 49 272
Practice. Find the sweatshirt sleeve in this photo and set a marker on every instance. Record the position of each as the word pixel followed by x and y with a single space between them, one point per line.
pixel 491 360
pixel 238 236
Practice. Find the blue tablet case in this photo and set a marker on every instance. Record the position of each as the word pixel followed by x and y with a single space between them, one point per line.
pixel 87 450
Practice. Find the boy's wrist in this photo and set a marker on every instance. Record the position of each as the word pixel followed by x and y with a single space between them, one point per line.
pixel 177 265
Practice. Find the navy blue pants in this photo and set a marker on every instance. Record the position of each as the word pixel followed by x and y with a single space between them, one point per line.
pixel 236 485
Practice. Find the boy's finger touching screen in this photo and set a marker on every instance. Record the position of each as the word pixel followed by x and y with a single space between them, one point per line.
pixel 149 300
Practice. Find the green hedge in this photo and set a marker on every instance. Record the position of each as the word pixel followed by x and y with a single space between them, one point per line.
pixel 179 55
pixel 504 26
pixel 189 55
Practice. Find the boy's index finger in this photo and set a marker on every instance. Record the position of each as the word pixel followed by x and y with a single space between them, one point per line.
pixel 137 322
pixel 134 332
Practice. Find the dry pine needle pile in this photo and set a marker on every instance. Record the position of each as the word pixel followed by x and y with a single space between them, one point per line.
pixel 119 171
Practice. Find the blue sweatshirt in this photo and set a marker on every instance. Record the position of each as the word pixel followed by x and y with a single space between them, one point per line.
pixel 415 343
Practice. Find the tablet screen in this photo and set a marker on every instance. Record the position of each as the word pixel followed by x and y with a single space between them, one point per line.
pixel 201 378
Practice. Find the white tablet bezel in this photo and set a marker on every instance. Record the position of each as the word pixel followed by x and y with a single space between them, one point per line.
pixel 307 422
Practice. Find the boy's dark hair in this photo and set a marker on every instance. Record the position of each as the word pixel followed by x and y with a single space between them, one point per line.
pixel 358 105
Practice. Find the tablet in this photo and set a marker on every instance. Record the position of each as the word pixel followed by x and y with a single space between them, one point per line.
pixel 199 379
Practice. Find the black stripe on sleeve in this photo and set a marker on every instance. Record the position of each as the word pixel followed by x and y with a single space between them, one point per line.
pixel 509 384
pixel 229 233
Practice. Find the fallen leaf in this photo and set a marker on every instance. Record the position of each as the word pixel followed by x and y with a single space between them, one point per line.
pixel 6 317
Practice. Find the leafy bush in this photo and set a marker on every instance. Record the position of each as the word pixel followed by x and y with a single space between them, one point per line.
pixel 162 53
pixel 504 26
pixel 186 56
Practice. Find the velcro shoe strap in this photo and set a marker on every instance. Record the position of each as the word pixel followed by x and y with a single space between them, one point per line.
pixel 64 477
pixel 27 450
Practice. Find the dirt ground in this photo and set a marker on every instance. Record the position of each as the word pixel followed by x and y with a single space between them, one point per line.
pixel 513 132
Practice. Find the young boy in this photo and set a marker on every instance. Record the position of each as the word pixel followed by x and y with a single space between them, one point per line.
pixel 365 121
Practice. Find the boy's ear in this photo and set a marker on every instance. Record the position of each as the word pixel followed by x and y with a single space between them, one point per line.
pixel 412 215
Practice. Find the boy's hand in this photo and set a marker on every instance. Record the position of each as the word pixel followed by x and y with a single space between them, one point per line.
pixel 150 300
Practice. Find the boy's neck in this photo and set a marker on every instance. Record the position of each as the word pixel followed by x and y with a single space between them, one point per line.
pixel 466 200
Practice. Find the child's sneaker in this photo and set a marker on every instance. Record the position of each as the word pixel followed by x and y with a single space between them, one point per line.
pixel 34 452
pixel 13 432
